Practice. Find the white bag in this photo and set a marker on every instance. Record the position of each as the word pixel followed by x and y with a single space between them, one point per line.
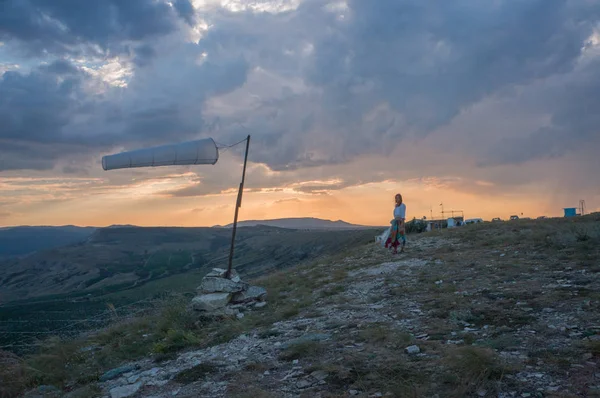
pixel 385 236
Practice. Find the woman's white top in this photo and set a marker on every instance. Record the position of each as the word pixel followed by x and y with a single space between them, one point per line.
pixel 400 211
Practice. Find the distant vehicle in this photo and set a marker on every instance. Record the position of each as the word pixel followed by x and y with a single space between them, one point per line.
pixel 473 221
pixel 496 219
pixel 514 217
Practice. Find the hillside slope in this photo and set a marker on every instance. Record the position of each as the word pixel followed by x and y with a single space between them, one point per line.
pixel 121 258
pixel 496 310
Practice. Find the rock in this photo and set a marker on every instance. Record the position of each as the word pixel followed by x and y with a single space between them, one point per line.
pixel 220 273
pixel 125 391
pixel 116 372
pixel 220 285
pixel 239 315
pixel 133 379
pixel 90 348
pixel 260 304
pixel 306 338
pixel 254 293
pixel 320 374
pixel 211 301
pixel 353 392
pixel 304 383
pixel 413 349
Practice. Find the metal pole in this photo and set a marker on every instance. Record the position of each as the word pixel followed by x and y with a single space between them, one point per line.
pixel 237 207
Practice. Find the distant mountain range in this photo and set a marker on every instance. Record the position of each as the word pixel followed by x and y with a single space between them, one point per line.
pixel 23 240
pixel 17 241
pixel 298 223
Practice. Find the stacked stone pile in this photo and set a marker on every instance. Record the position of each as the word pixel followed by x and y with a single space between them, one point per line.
pixel 219 296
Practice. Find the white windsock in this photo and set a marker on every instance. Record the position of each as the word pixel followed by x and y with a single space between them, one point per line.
pixel 202 151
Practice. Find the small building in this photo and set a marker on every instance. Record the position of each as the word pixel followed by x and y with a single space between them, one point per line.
pixel 436 224
pixel 570 211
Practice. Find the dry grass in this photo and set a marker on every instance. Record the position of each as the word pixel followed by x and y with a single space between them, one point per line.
pixel 308 349
pixel 195 373
pixel 13 375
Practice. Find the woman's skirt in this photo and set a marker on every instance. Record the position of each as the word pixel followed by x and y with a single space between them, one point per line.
pixel 396 236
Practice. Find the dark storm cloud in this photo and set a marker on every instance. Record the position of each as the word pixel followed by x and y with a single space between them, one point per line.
pixel 60 26
pixel 144 55
pixel 386 70
pixel 35 107
pixel 429 60
pixel 185 10
pixel 574 105
pixel 165 101
pixel 49 106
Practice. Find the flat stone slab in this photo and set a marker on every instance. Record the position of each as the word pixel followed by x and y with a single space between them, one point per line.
pixel 254 293
pixel 210 301
pixel 125 391
pixel 116 372
pixel 220 273
pixel 212 284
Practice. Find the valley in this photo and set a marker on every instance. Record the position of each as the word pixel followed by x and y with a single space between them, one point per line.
pixel 131 266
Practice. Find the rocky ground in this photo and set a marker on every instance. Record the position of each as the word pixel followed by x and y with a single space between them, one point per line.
pixel 483 312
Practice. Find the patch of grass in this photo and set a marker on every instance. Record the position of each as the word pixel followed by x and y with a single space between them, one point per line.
pixel 502 343
pixel 302 350
pixel 246 387
pixel 265 334
pixel 332 290
pixel 557 358
pixel 593 347
pixel 176 340
pixel 88 391
pixel 470 368
pixel 13 375
pixel 339 274
pixel 383 334
pixel 196 373
pixel 388 373
pixel 58 361
pixel 257 367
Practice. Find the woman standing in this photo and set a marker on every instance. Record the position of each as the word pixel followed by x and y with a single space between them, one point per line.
pixel 397 230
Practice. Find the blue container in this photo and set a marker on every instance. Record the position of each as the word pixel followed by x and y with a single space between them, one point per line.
pixel 570 212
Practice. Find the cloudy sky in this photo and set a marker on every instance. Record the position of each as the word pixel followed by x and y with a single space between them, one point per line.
pixel 491 107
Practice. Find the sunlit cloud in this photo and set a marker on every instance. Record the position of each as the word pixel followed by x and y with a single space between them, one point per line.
pixel 114 72
pixel 7 67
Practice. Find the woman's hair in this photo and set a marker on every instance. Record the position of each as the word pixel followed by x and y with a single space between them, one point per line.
pixel 398 196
